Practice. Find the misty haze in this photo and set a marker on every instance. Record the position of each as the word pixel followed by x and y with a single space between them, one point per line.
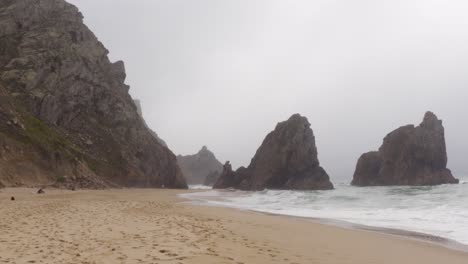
pixel 223 73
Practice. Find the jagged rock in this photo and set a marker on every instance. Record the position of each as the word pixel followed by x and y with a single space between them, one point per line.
pixel 57 81
pixel 408 156
pixel 212 178
pixel 197 167
pixel 232 179
pixel 287 159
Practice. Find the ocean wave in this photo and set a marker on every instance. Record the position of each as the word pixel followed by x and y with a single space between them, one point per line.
pixel 439 211
pixel 199 187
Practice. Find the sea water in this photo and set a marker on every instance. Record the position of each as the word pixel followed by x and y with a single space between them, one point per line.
pixel 436 210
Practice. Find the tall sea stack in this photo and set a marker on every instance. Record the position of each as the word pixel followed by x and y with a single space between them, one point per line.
pixel 65 112
pixel 409 156
pixel 287 159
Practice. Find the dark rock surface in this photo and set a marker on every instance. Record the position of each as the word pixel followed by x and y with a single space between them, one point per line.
pixel 239 179
pixel 287 159
pixel 408 156
pixel 65 111
pixel 197 167
pixel 212 178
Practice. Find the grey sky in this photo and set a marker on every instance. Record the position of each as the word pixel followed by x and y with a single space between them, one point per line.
pixel 222 73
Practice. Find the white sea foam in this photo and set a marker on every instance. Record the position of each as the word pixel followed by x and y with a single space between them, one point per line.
pixel 440 210
pixel 199 187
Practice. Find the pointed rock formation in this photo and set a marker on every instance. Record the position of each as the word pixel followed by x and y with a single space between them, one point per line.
pixel 409 156
pixel 197 167
pixel 65 111
pixel 287 159
pixel 239 179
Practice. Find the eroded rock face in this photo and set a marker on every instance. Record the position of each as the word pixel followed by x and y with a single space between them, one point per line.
pixel 287 159
pixel 212 178
pixel 197 167
pixel 408 156
pixel 73 111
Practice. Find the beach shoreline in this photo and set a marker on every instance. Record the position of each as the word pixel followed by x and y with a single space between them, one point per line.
pixel 158 226
pixel 407 234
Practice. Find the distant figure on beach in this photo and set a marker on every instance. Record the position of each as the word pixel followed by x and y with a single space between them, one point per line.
pixel 12 198
pixel 41 191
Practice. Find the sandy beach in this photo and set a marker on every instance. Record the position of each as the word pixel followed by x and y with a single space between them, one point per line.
pixel 155 226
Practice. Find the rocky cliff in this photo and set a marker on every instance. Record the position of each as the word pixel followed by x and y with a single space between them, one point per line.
pixel 287 159
pixel 66 116
pixel 196 168
pixel 409 156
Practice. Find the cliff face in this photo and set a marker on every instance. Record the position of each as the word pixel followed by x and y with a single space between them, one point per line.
pixel 196 168
pixel 408 156
pixel 65 109
pixel 287 159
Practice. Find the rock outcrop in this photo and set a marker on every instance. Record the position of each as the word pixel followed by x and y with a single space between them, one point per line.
pixel 212 178
pixel 65 111
pixel 287 159
pixel 409 156
pixel 197 167
pixel 238 179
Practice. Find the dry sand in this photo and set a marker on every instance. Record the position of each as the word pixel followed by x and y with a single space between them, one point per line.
pixel 152 226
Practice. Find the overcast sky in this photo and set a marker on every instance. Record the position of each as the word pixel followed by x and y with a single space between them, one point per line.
pixel 222 73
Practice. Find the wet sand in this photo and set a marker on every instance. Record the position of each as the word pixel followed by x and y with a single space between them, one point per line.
pixel 153 226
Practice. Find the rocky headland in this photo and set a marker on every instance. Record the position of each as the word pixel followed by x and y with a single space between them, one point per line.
pixel 287 159
pixel 66 117
pixel 408 156
pixel 200 168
